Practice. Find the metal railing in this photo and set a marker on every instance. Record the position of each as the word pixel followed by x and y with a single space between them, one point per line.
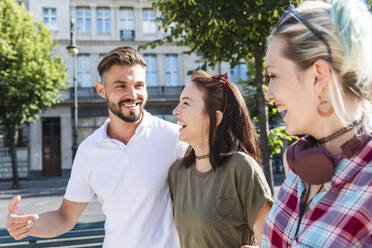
pixel 164 92
pixel 127 35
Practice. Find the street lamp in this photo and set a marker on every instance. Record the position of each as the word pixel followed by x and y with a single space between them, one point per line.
pixel 73 50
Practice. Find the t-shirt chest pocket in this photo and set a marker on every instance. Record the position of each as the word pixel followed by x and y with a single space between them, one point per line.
pixel 225 205
pixel 222 213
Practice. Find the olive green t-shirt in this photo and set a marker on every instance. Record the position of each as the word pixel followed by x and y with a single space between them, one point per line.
pixel 217 209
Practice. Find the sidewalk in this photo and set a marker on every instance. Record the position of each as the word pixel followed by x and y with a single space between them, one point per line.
pixel 41 187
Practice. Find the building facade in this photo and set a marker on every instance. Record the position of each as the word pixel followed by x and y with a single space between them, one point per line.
pixel 99 27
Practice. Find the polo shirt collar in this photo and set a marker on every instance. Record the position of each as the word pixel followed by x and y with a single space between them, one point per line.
pixel 145 122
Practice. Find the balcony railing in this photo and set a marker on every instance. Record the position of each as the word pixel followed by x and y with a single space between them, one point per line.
pixel 164 92
pixel 155 93
pixel 127 35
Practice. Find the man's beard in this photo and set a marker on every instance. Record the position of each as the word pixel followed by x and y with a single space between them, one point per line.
pixel 132 116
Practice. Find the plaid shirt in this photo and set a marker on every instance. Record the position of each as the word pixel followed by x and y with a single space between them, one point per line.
pixel 340 216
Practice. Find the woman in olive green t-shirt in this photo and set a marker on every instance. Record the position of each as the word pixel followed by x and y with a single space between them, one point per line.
pixel 220 195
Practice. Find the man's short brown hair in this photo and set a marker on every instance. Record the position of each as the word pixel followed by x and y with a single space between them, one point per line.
pixel 124 55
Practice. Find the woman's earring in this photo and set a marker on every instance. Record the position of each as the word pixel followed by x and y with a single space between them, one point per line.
pixel 324 108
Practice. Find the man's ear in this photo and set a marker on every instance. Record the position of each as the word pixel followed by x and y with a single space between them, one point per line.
pixel 322 75
pixel 101 89
pixel 219 117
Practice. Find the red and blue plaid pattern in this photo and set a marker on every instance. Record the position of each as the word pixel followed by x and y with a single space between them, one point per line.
pixel 340 216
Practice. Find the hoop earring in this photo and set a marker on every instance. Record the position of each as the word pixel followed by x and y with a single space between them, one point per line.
pixel 324 108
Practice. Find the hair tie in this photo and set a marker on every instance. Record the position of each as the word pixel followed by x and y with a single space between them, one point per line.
pixel 225 79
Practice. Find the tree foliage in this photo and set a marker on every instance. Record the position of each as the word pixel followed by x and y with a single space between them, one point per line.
pixel 231 31
pixel 221 30
pixel 30 78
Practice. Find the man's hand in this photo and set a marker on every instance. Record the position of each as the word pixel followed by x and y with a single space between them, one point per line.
pixel 19 226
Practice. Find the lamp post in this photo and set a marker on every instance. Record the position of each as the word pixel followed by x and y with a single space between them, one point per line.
pixel 73 50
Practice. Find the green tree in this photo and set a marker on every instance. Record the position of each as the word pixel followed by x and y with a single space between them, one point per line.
pixel 232 31
pixel 30 78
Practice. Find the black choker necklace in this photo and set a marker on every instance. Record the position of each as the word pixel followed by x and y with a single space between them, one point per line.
pixel 202 156
pixel 340 132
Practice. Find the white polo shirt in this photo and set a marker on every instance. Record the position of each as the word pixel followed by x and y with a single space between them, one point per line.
pixel 131 183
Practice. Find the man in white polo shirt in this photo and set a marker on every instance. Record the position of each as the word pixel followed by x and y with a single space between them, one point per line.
pixel 124 163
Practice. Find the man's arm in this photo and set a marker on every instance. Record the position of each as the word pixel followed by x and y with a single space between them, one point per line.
pixel 49 224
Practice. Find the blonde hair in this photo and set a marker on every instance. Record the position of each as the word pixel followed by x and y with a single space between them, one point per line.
pixel 346 25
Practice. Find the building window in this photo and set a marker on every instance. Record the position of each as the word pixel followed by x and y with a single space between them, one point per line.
pixel 83 70
pixel 87 125
pixel 126 19
pixel 171 70
pixel 149 21
pixel 50 18
pixel 83 20
pixel 126 24
pixel 103 21
pixel 239 72
pixel 151 70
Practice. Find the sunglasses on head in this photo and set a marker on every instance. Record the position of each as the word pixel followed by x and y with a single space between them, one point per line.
pixel 292 12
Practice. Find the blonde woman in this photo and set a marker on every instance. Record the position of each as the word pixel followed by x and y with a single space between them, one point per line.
pixel 320 68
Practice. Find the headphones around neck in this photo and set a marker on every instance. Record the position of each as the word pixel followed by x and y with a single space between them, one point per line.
pixel 314 164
